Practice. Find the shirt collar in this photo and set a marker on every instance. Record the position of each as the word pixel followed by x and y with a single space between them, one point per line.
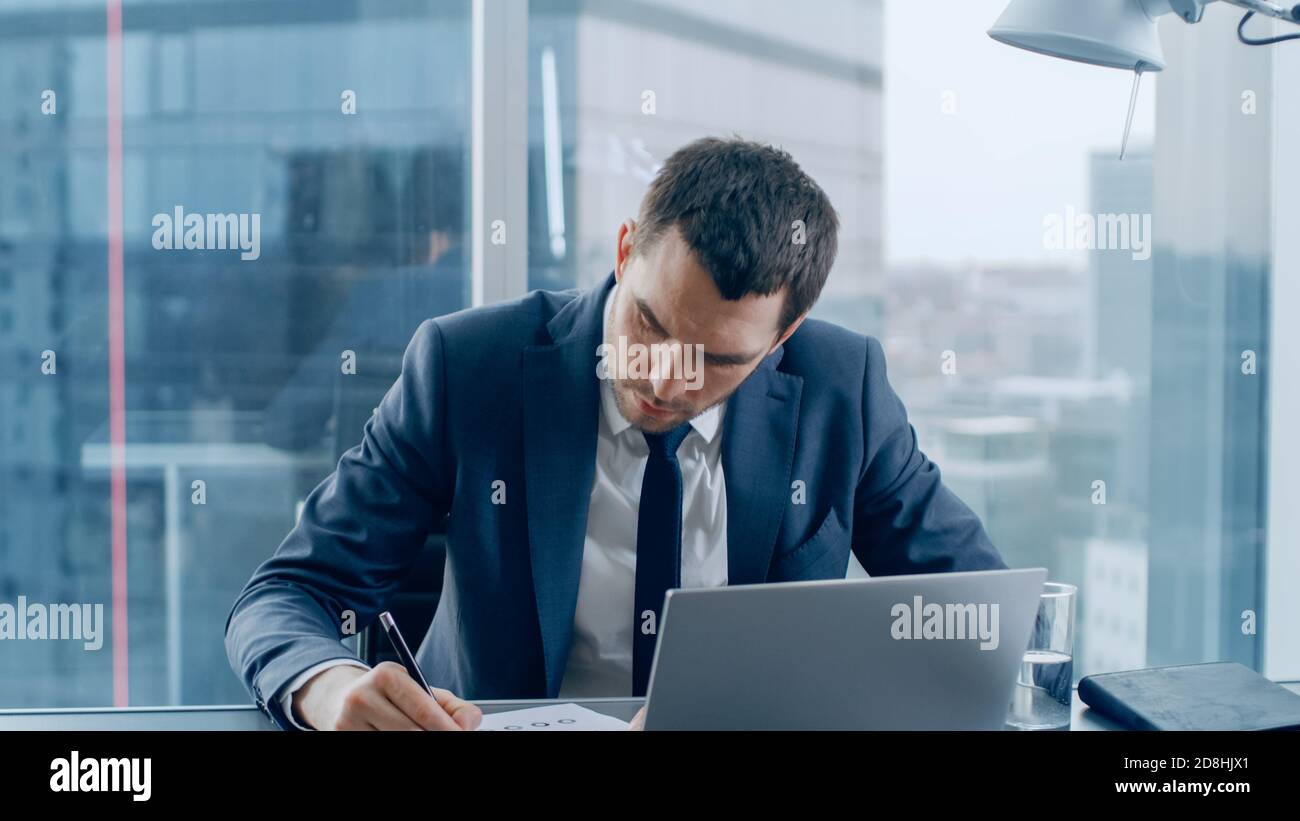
pixel 705 424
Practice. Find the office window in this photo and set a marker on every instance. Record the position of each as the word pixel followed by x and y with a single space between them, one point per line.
pixel 1095 397
pixel 616 86
pixel 323 150
pixel 1102 403
pixel 1086 398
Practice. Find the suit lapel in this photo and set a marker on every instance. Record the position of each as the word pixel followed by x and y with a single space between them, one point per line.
pixel 561 413
pixel 758 443
pixel 561 403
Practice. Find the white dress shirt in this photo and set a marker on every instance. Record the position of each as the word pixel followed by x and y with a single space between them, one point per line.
pixel 600 655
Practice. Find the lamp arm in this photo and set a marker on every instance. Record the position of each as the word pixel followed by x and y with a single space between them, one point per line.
pixel 1270 9
pixel 1192 10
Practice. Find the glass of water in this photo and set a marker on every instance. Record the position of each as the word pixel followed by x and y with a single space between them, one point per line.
pixel 1044 687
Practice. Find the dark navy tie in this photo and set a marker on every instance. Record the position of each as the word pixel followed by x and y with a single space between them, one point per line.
pixel 658 546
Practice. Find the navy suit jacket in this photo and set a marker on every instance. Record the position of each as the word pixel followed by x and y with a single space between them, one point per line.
pixel 509 393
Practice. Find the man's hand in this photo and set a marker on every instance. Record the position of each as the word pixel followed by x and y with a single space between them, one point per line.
pixel 385 698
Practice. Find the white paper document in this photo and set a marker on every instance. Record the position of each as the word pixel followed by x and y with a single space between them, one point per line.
pixel 551 717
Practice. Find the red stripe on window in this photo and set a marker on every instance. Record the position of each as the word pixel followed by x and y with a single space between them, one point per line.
pixel 116 353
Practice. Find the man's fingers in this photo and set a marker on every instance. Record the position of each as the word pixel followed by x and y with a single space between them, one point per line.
pixel 412 699
pixel 464 713
pixel 383 715
pixel 367 708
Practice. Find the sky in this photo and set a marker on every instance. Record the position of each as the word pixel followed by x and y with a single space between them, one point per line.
pixel 976 184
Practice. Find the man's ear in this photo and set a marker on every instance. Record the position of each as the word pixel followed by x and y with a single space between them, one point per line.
pixel 623 252
pixel 794 326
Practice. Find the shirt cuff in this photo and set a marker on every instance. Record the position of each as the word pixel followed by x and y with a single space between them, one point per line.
pixel 286 700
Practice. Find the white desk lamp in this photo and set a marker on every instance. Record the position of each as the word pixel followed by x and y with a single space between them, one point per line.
pixel 1115 33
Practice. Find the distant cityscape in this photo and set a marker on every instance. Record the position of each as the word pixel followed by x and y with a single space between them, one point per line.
pixel 1028 383
pixel 1045 392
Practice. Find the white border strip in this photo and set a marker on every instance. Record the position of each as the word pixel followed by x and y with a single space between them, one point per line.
pixel 499 149
pixel 1280 624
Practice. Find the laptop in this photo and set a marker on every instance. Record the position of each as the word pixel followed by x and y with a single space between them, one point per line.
pixel 938 651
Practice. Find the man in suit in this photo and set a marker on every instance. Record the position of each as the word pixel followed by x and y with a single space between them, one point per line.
pixel 580 485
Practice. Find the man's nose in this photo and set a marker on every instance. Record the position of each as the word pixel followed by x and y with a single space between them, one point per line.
pixel 667 390
pixel 666 379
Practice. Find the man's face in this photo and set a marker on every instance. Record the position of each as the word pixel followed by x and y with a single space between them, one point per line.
pixel 665 296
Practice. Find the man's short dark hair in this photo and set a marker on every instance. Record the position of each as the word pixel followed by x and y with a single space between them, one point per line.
pixel 736 204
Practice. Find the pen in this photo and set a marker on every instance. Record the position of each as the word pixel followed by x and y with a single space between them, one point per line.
pixel 403 652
